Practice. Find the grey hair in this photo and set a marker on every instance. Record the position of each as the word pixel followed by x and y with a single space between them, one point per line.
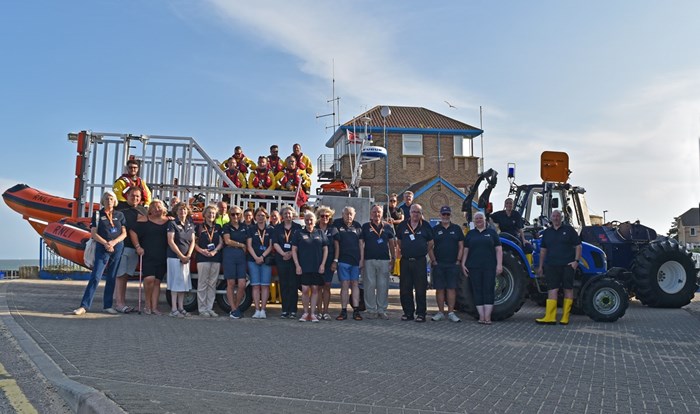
pixel 480 213
pixel 348 209
pixel 106 194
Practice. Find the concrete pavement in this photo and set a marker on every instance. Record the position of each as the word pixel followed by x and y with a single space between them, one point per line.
pixel 645 362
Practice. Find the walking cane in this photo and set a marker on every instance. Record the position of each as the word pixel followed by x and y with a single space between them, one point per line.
pixel 140 279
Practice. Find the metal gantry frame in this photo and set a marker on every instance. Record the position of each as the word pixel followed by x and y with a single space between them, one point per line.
pixel 170 165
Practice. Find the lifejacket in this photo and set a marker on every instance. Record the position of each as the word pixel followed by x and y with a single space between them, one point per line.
pixel 262 179
pixel 300 163
pixel 275 164
pixel 130 182
pixel 291 178
pixel 241 162
pixel 233 176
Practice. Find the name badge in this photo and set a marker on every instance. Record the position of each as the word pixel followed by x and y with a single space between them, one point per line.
pixel 211 246
pixel 287 246
pixel 113 230
pixel 412 237
pixel 380 241
pixel 262 248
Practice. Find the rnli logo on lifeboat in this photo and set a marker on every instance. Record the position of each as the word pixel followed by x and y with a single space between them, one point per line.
pixel 373 153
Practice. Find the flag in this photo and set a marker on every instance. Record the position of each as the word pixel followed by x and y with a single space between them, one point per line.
pixel 353 138
pixel 301 197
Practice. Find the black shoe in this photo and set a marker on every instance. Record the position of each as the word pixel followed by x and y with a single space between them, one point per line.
pixel 343 315
pixel 284 315
pixel 356 315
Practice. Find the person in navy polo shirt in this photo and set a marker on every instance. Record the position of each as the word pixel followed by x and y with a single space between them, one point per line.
pixel 481 262
pixel 310 252
pixel 449 245
pixel 282 242
pixel 415 241
pixel 378 243
pixel 509 221
pixel 348 257
pixel 108 230
pixel 560 252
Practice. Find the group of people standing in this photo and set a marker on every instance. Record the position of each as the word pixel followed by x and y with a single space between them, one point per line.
pixel 248 243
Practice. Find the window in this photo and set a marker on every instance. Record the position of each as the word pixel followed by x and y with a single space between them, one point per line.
pixel 693 232
pixel 462 146
pixel 412 144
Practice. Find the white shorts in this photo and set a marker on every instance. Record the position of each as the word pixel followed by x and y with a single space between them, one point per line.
pixel 127 265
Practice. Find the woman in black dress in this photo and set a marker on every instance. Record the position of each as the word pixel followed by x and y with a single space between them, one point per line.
pixel 151 242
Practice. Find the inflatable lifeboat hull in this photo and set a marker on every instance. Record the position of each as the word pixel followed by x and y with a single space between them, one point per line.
pixel 67 238
pixel 35 204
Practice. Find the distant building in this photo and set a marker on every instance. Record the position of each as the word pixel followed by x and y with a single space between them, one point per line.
pixel 688 225
pixel 428 153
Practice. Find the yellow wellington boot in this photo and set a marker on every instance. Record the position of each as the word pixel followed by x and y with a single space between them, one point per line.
pixel 566 311
pixel 550 313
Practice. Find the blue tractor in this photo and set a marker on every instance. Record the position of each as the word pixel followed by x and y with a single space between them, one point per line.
pixel 599 291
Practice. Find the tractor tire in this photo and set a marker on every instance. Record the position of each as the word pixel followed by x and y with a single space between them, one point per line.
pixel 190 301
pixel 605 300
pixel 664 275
pixel 510 290
pixel 222 300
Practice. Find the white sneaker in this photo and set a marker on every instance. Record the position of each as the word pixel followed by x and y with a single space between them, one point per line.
pixel 439 316
pixel 262 314
pixel 453 318
pixel 213 314
pixel 304 317
pixel 256 315
pixel 313 318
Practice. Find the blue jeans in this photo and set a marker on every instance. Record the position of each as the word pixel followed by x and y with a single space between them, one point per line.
pixel 107 263
pixel 260 275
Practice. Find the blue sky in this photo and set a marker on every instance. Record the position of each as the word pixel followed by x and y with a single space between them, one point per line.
pixel 615 84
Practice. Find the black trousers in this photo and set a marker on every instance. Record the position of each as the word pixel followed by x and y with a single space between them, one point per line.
pixel 414 276
pixel 483 281
pixel 289 284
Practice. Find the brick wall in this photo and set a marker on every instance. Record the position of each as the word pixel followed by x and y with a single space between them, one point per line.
pixel 405 171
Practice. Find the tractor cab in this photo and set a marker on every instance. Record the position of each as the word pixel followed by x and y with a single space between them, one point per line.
pixel 535 202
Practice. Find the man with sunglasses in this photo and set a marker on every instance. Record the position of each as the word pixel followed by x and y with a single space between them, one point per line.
pixel 449 245
pixel 131 179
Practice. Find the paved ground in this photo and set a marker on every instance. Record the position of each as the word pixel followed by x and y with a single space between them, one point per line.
pixel 648 361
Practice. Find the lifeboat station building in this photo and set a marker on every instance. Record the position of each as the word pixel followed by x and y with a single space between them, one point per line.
pixel 428 153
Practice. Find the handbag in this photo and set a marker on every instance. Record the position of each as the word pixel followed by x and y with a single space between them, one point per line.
pixel 89 253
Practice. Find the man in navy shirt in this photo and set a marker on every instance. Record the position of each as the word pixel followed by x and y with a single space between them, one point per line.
pixel 407 203
pixel 378 243
pixel 559 255
pixel 449 245
pixel 415 241
pixel 509 221
pixel 348 256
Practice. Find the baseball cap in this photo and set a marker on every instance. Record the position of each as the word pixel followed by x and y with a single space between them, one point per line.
pixel 445 210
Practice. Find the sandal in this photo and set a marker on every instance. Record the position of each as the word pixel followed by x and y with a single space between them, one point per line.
pixel 487 322
pixel 406 318
pixel 420 318
pixel 482 322
pixel 147 311
pixel 124 309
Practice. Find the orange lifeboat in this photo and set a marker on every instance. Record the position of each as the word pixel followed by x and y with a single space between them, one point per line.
pixel 34 204
pixel 67 237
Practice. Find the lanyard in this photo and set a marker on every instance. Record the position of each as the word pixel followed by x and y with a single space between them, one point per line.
pixel 262 236
pixel 379 234
pixel 109 217
pixel 287 234
pixel 408 225
pixel 210 235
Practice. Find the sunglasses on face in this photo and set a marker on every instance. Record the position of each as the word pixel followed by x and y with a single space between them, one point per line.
pixel 446 214
pixel 324 216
